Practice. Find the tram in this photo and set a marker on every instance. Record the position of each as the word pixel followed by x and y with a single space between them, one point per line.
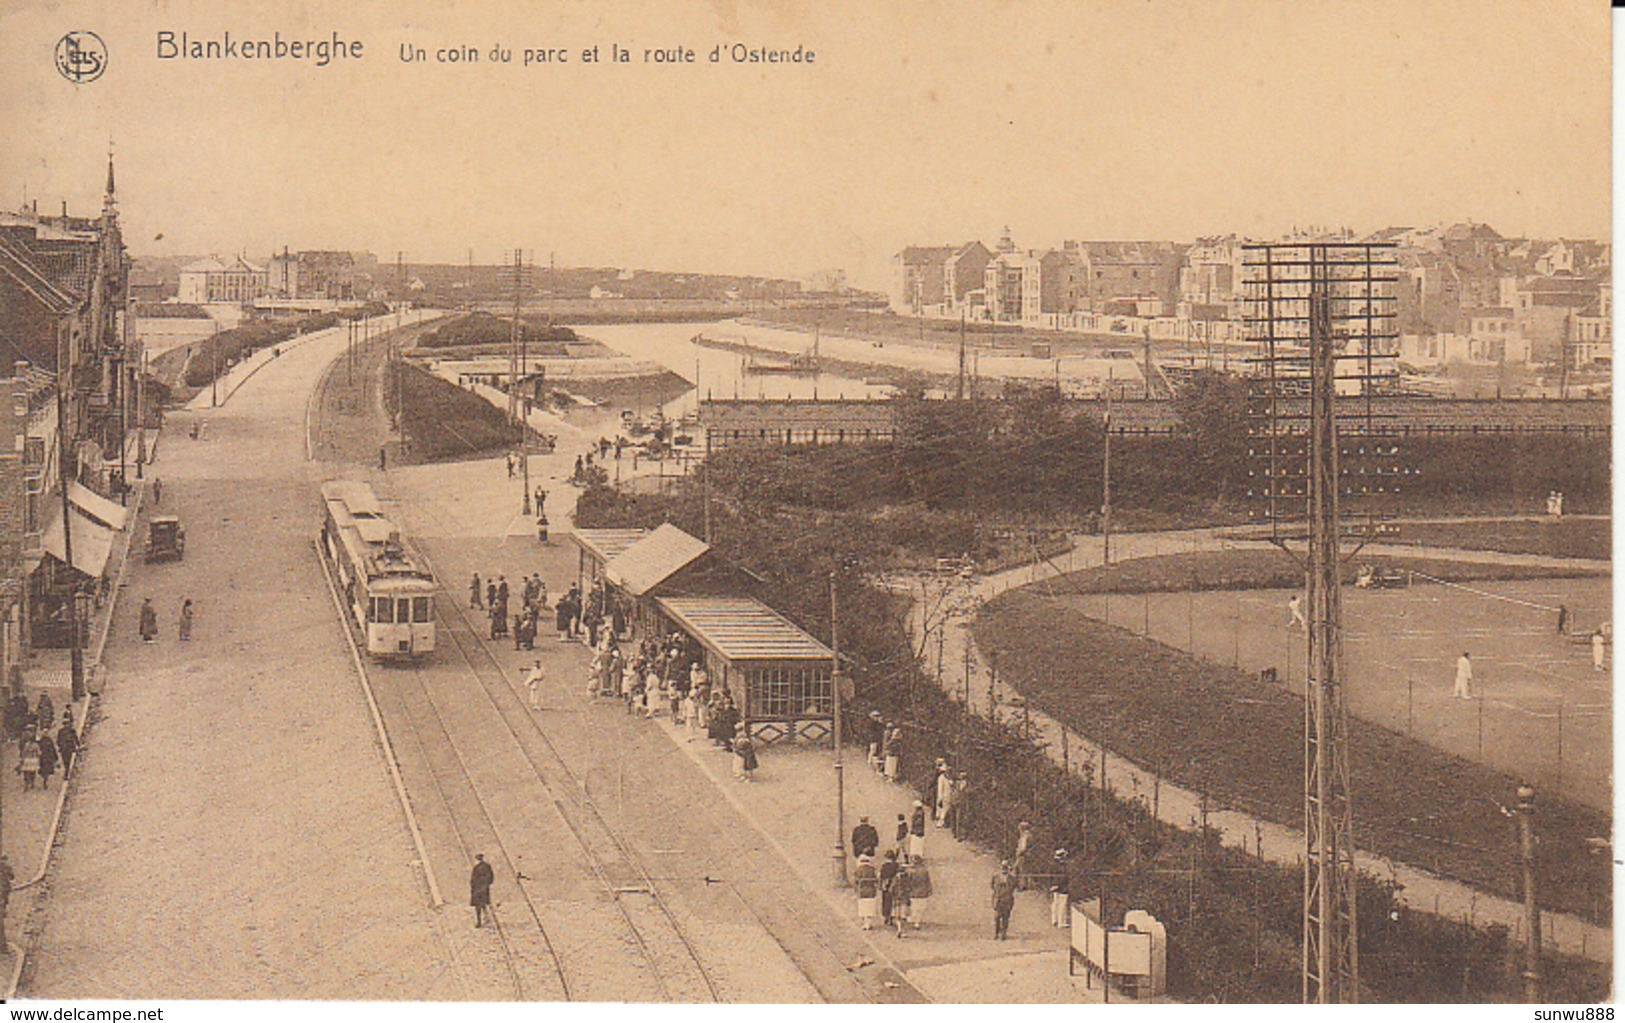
pixel 386 586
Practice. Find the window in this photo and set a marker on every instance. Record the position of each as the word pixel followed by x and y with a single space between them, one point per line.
pixel 378 609
pixel 790 692
pixel 420 609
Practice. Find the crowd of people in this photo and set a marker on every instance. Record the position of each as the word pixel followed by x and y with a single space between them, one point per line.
pixel 40 753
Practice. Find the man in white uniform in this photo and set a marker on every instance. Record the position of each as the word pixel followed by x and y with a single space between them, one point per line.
pixel 1464 677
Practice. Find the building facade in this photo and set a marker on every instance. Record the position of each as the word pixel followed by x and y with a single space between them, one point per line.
pixel 213 280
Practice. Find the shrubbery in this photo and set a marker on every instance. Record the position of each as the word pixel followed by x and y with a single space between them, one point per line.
pixel 218 353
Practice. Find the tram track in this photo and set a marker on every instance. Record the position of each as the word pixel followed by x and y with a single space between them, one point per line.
pixel 674 958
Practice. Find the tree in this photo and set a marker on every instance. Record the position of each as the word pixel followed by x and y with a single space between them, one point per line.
pixel 1212 407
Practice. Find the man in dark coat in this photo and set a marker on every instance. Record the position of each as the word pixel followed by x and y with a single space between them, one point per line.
pixel 888 890
pixel 865 839
pixel 479 888
pixel 67 743
pixel 1004 900
pixel 47 757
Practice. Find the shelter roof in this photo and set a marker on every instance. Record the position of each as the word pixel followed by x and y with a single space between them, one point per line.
pixel 743 629
pixel 654 559
pixel 607 544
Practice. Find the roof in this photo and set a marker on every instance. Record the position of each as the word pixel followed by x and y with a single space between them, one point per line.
pixel 742 629
pixel 654 559
pixel 206 265
pixel 98 507
pixel 916 254
pixel 607 544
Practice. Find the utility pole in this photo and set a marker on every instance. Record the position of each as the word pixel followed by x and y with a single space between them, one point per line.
pixel 141 417
pixel 838 855
pixel 960 394
pixel 1106 479
pixel 1531 908
pixel 1310 305
pixel 214 378
pixel 66 478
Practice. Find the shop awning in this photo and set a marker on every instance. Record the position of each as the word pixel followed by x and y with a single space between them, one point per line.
pixel 109 513
pixel 654 559
pixel 92 542
pixel 742 629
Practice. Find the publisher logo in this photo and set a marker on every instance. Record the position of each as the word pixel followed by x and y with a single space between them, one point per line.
pixel 81 57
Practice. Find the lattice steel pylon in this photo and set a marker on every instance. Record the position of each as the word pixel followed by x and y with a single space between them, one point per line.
pixel 1321 313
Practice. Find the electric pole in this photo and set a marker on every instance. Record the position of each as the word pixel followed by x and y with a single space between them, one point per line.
pixel 1106 479
pixel 1531 908
pixel 67 475
pixel 838 855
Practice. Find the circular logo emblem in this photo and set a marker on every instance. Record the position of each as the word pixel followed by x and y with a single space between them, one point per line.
pixel 81 57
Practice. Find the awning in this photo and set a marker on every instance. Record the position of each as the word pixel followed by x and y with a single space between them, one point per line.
pixel 92 542
pixel 654 559
pixel 108 513
pixel 742 629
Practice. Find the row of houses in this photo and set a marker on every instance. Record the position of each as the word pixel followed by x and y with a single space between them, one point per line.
pixel 67 411
pixel 1515 300
pixel 314 274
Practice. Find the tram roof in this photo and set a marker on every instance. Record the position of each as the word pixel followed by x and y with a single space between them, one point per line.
pixel 743 629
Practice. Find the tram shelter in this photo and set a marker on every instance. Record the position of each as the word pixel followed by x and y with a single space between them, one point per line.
pixel 596 548
pixel 779 676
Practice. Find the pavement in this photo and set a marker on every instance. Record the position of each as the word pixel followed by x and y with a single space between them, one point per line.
pixel 465 513
pixel 232 833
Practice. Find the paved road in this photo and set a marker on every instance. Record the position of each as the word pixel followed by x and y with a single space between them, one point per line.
pixel 234 835
pixel 594 810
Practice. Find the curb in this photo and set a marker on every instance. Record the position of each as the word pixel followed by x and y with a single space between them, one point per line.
pixel 435 899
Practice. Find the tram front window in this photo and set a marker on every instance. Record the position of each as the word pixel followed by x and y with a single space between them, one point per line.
pixel 403 611
pixel 420 609
pixel 379 610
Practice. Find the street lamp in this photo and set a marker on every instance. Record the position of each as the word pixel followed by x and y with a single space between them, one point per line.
pixel 838 854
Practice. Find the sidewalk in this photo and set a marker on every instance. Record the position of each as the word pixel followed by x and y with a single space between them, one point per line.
pixel 31 817
pixel 953 957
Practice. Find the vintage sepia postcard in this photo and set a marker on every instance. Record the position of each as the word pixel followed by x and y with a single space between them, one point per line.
pixel 668 502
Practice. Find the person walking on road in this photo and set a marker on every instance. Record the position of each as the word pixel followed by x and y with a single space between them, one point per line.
pixel 888 886
pixel 8 877
pixel 900 836
pixel 866 884
pixel 919 885
pixel 876 732
pixel 1060 888
pixel 916 831
pixel 157 491
pixel 185 627
pixel 1024 845
pixel 28 760
pixel 480 881
pixel 1464 677
pixel 894 753
pixel 44 712
pixel 67 744
pixel 533 684
pixel 1004 900
pixel 1599 651
pixel 47 757
pixel 865 839
pixel 475 592
pixel 490 591
pixel 902 900
pixel 149 621
pixel 1294 607
pixel 939 793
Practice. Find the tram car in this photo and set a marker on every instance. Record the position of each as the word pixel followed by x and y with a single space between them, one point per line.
pixel 386 586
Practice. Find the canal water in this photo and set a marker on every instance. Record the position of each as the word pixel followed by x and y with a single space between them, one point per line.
pixel 715 372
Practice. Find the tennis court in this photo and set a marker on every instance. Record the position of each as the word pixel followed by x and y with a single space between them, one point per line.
pixel 1541 710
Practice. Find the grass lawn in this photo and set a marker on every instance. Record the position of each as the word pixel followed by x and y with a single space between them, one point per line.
pixel 1555 538
pixel 1269 568
pixel 448 423
pixel 1213 729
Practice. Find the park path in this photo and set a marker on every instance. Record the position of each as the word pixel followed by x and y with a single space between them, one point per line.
pixel 1422 890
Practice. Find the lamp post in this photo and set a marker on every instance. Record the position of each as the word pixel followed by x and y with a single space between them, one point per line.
pixel 838 854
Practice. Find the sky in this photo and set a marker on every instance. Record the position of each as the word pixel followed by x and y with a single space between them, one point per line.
pixel 915 124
